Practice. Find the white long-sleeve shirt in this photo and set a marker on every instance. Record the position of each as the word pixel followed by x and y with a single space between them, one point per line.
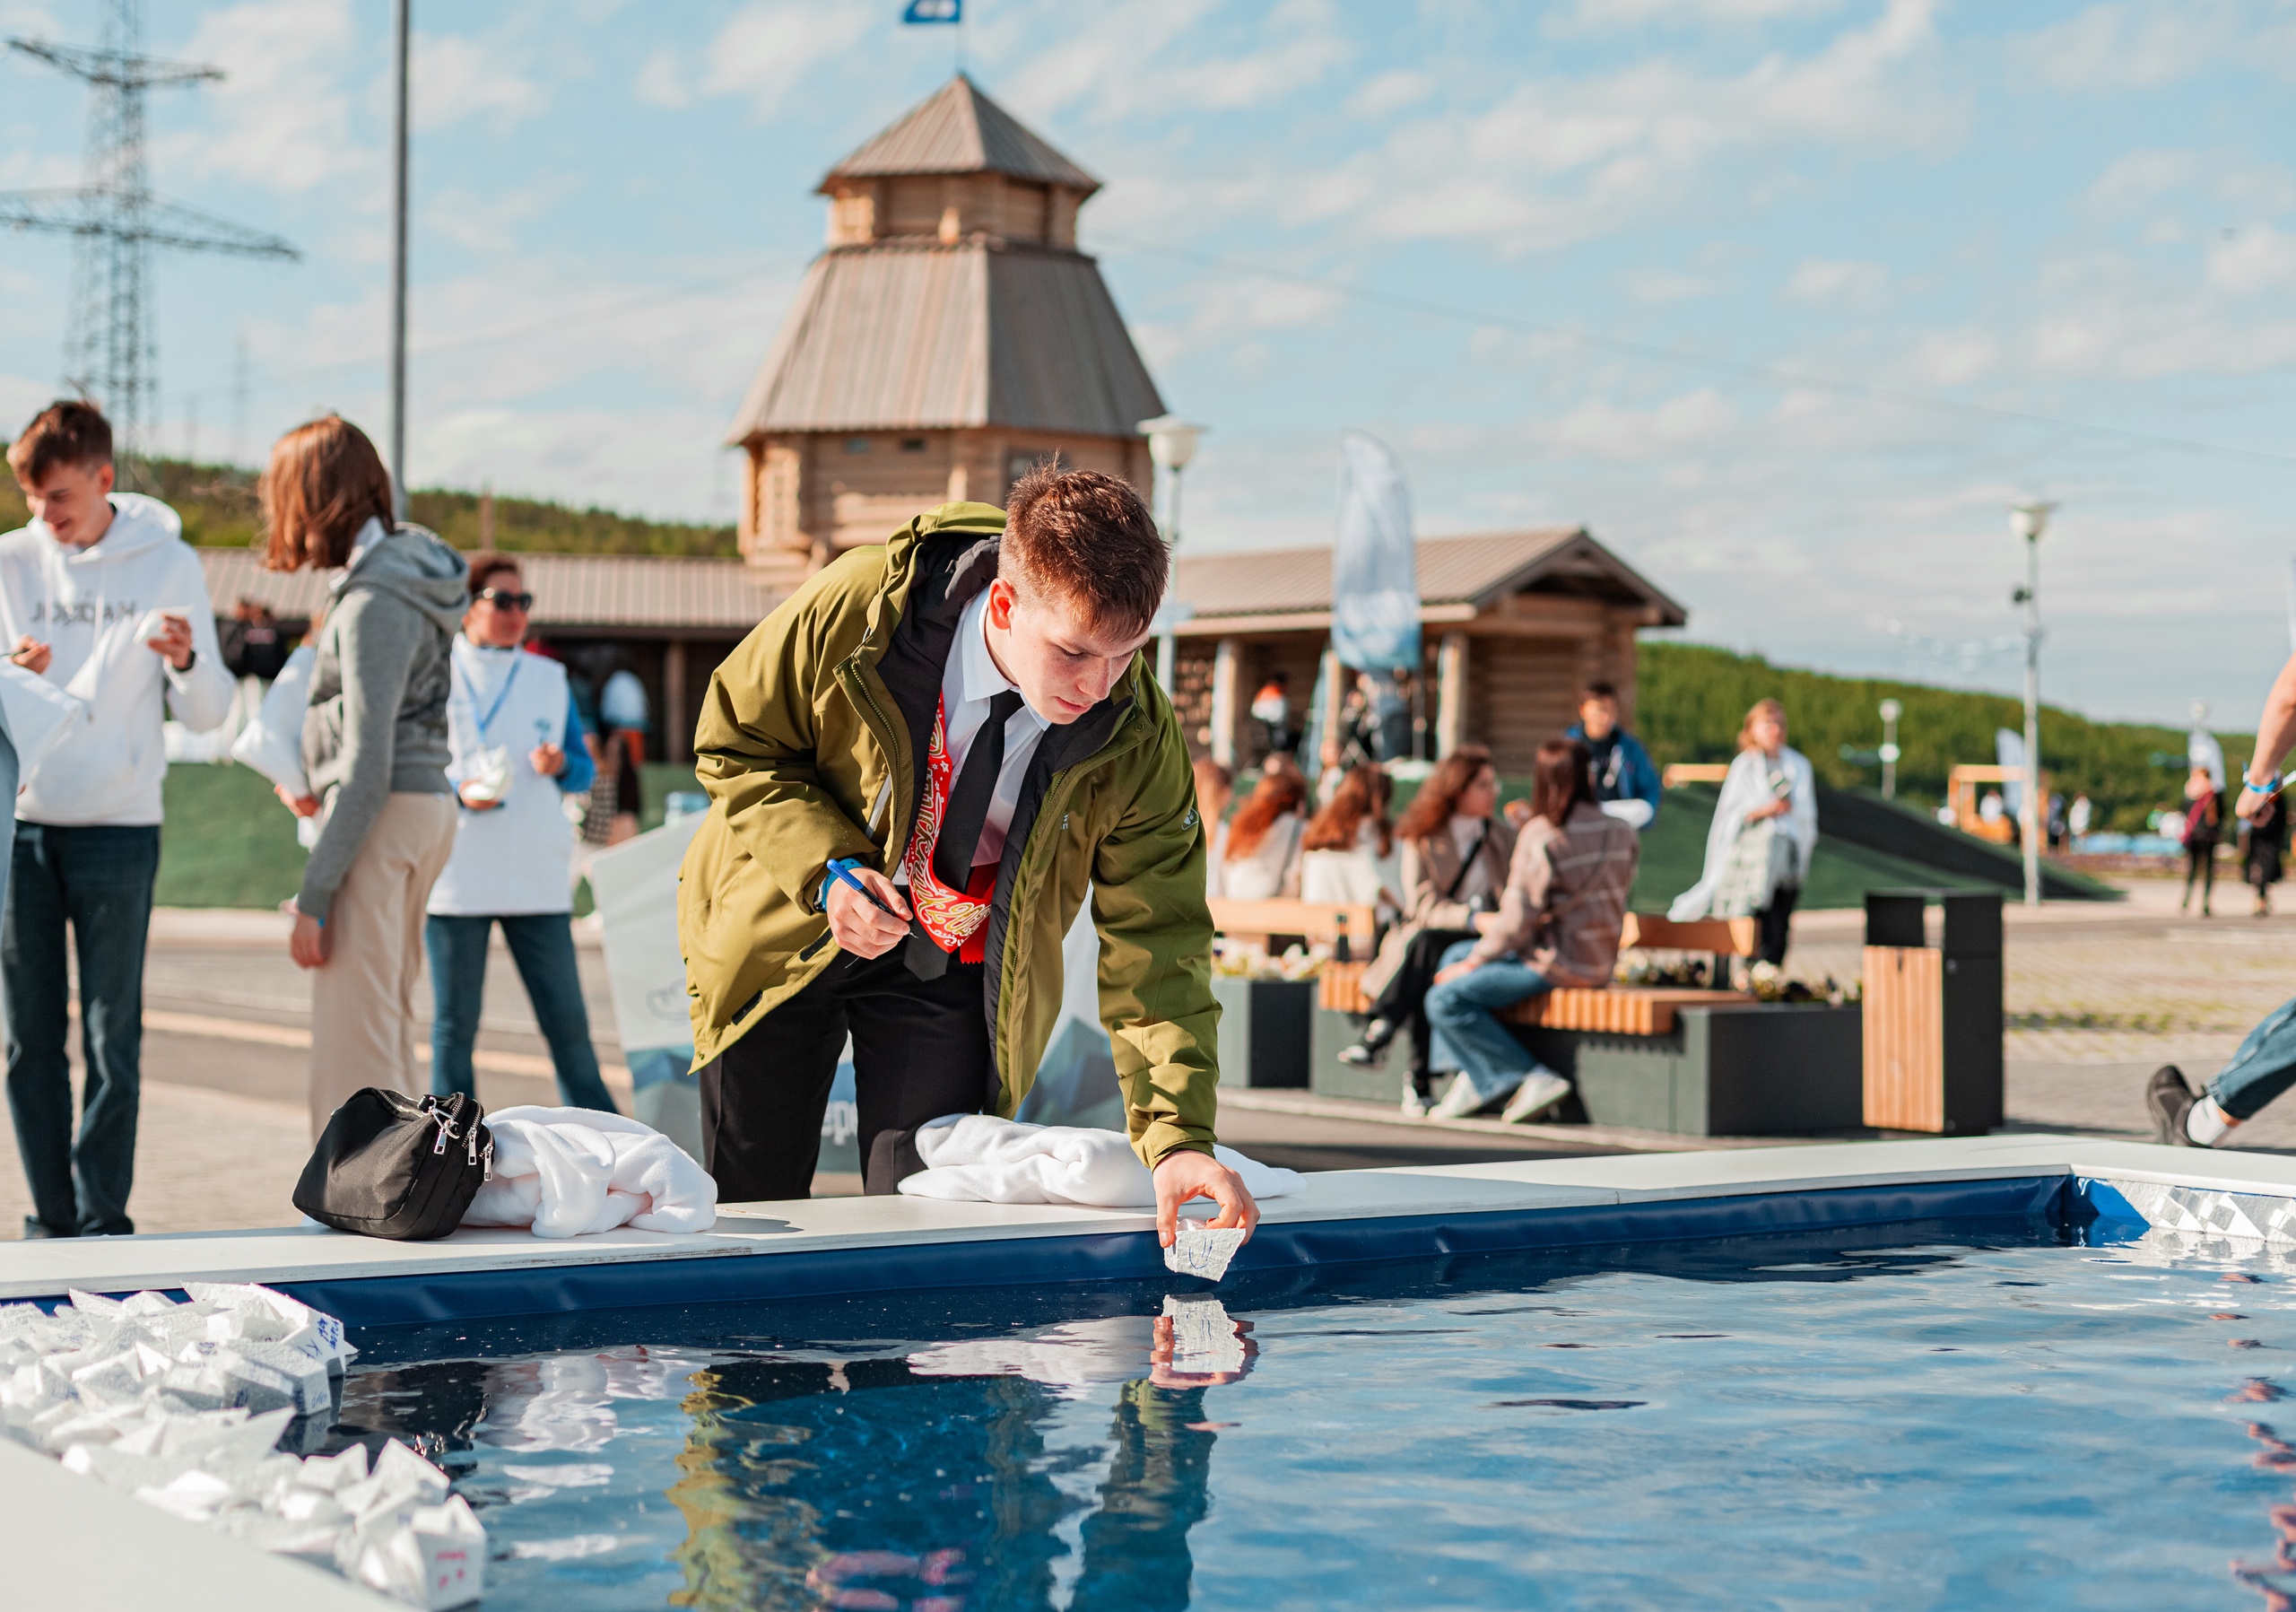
pixel 94 607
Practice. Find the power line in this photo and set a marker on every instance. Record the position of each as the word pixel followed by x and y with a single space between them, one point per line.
pixel 1686 358
pixel 556 324
pixel 114 220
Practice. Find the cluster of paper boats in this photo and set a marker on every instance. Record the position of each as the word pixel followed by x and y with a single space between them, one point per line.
pixel 183 1404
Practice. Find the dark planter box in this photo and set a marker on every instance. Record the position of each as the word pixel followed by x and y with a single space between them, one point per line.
pixel 1772 1069
pixel 1264 1030
pixel 1332 1079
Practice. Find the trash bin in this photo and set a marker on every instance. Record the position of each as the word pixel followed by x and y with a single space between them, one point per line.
pixel 1933 1013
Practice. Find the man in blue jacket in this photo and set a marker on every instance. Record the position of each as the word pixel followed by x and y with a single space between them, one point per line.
pixel 1623 768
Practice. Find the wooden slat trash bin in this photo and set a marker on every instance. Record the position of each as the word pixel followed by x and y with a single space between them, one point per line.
pixel 1933 1013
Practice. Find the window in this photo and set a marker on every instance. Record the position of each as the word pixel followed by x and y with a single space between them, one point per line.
pixel 856 444
pixel 912 444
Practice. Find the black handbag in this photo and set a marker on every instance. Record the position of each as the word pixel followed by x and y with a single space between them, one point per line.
pixel 391 1165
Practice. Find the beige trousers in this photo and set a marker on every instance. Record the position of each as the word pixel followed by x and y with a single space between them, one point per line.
pixel 362 999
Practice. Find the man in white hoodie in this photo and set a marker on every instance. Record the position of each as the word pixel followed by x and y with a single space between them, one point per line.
pixel 102 596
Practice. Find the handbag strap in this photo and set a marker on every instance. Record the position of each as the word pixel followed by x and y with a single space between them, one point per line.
pixel 1467 861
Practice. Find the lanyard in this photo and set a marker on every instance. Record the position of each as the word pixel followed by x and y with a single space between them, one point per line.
pixel 501 695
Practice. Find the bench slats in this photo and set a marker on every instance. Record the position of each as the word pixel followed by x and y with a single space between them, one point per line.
pixel 1616 1010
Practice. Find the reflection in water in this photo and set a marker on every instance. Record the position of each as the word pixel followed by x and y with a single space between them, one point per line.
pixel 794 1494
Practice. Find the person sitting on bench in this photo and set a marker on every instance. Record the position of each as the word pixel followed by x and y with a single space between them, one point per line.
pixel 1456 851
pixel 1558 924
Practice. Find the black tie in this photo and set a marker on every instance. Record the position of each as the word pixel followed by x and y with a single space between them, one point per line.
pixel 968 796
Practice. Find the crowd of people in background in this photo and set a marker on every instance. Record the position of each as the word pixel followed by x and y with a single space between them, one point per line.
pixel 1483 902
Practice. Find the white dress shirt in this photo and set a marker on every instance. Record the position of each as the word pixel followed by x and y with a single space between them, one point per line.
pixel 968 683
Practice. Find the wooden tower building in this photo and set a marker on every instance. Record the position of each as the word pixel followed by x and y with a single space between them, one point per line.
pixel 950 337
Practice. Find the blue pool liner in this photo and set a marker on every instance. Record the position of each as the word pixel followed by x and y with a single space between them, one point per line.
pixel 1131 1255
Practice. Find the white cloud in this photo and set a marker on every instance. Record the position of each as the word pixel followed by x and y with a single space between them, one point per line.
pixel 454 77
pixel 2144 44
pixel 2250 261
pixel 765 50
pixel 1590 15
pixel 660 82
pixel 1827 279
pixel 1562 160
pixel 281 117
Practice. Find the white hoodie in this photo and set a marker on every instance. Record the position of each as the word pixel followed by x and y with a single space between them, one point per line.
pixel 93 607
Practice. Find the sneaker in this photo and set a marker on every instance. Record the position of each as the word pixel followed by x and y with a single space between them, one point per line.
pixel 2171 1100
pixel 1458 1100
pixel 1541 1090
pixel 1414 1106
pixel 1364 1054
pixel 1377 1033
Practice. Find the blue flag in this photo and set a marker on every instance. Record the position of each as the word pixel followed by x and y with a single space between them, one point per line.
pixel 933 11
pixel 1374 563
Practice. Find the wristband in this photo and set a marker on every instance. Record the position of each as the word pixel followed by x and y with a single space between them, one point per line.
pixel 2254 787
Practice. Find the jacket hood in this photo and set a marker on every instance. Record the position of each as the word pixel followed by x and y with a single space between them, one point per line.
pixel 137 524
pixel 412 564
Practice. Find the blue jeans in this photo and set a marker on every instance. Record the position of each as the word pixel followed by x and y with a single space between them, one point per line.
pixel 1465 1014
pixel 97 878
pixel 542 943
pixel 2264 1066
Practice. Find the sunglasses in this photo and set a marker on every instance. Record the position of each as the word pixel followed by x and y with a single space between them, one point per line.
pixel 503 599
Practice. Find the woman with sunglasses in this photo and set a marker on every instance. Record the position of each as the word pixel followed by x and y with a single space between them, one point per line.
pixel 517 753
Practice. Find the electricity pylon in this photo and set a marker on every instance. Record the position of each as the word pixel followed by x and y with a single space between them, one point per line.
pixel 114 220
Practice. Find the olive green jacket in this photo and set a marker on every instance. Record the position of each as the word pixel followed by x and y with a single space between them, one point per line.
pixel 807 755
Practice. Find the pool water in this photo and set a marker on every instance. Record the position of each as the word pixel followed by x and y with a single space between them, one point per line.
pixel 1963 1414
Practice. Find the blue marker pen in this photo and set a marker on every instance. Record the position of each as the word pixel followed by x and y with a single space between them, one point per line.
pixel 842 869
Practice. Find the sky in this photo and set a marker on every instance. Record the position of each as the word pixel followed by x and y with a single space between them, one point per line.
pixel 1785 300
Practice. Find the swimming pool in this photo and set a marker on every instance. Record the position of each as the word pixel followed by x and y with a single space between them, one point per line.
pixel 1902 1374
pixel 1967 1413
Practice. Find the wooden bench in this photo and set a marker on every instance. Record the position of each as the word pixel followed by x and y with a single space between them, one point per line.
pixel 1344 927
pixel 1616 1010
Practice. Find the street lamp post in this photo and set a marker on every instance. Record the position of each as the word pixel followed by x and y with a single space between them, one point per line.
pixel 1890 712
pixel 400 29
pixel 1171 444
pixel 2029 521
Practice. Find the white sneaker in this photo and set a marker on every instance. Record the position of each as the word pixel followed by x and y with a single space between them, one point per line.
pixel 1460 1099
pixel 1414 1106
pixel 1541 1090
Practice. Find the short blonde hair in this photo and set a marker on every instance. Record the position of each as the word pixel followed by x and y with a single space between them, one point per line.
pixel 1762 708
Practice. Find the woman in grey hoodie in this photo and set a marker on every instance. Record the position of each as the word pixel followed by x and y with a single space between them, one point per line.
pixel 374 747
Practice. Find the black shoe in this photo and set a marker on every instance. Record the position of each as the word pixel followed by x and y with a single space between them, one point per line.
pixel 2171 1100
pixel 1371 1051
pixel 36 1229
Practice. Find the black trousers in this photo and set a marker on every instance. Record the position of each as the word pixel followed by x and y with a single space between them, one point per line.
pixel 920 1051
pixel 1777 924
pixel 1403 1002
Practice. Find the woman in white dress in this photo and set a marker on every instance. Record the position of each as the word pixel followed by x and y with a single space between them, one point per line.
pixel 1764 833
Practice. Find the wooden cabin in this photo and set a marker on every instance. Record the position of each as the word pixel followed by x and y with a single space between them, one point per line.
pixel 1512 624
pixel 951 337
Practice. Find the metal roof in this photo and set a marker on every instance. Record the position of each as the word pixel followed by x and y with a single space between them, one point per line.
pixel 634 592
pixel 959 130
pixel 1474 571
pixel 921 335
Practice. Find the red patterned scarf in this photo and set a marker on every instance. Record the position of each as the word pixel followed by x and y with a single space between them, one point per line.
pixel 956 919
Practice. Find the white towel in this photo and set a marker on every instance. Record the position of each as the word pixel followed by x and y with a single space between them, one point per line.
pixel 566 1171
pixel 979 1158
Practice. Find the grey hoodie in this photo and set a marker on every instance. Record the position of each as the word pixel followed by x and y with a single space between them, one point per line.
pixel 376 724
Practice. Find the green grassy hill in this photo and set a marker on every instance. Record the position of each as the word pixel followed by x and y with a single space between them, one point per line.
pixel 218 506
pixel 1691 700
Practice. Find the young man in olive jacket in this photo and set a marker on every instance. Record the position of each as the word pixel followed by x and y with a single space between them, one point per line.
pixel 959 718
